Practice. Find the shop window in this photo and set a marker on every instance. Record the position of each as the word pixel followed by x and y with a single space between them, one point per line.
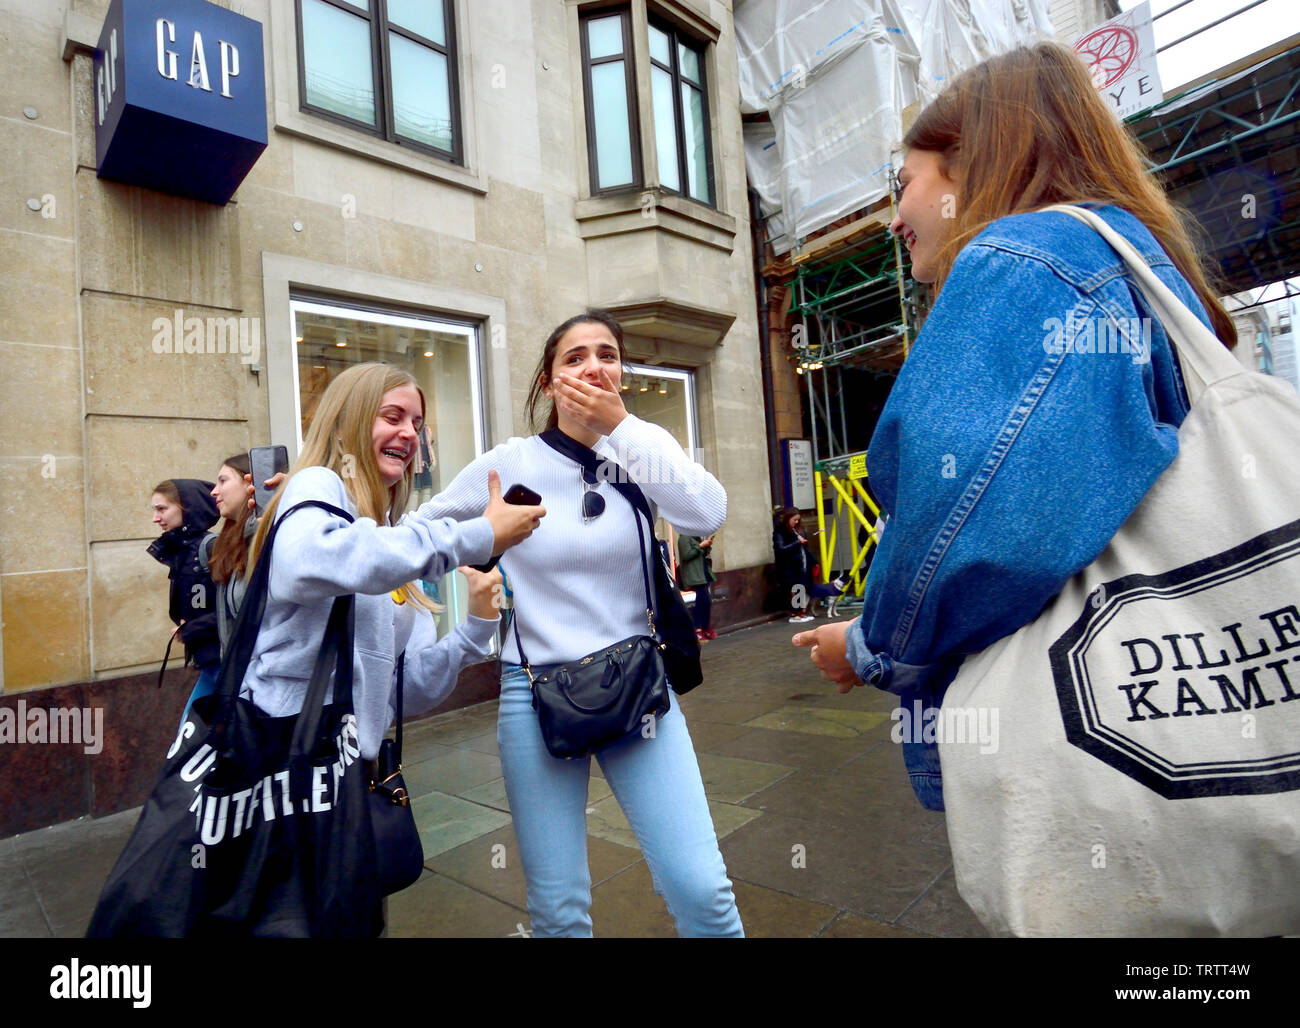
pixel 665 396
pixel 679 100
pixel 442 355
pixel 387 67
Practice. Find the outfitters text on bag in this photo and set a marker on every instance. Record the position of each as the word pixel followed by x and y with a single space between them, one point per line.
pixel 221 815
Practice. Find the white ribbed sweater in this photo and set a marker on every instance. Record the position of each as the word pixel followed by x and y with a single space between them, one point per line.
pixel 579 587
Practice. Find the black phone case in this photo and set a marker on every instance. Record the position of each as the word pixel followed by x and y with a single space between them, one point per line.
pixel 517 495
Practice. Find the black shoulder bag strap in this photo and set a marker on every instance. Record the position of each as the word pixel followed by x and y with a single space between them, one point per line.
pixel 645 572
pixel 167 655
pixel 401 688
pixel 205 562
pixel 593 463
pixel 249 620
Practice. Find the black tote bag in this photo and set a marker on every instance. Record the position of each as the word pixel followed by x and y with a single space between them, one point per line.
pixel 258 825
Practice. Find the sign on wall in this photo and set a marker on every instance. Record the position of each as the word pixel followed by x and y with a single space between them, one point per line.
pixel 179 97
pixel 1121 55
pixel 797 455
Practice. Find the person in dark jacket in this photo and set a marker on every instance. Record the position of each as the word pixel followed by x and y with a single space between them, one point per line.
pixel 184 509
pixel 695 571
pixel 793 562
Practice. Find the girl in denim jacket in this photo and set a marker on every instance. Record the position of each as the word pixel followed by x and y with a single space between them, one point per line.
pixel 1041 400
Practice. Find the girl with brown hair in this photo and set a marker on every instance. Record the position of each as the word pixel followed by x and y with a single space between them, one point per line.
pixel 1041 400
pixel 227 552
pixel 578 587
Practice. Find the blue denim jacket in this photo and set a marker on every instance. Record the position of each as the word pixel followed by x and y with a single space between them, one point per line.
pixel 1028 422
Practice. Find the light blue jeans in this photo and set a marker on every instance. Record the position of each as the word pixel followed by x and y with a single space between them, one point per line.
pixel 657 783
pixel 206 685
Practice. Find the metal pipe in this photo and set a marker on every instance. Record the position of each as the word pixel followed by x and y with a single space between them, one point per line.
pixel 826 416
pixel 898 262
pixel 1169 10
pixel 1220 21
pixel 844 425
pixel 1219 146
pixel 764 348
pixel 812 400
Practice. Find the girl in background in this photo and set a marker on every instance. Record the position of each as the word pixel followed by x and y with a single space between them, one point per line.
pixel 227 552
pixel 696 572
pixel 184 509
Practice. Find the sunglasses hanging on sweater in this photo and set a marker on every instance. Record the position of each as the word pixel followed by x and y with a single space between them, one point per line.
pixel 593 504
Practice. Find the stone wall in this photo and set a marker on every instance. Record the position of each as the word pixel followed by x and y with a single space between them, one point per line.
pixel 91 417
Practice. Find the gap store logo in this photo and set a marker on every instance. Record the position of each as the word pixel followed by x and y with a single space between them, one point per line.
pixel 180 97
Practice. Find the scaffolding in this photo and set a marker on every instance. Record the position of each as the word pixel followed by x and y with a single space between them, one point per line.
pixel 855 309
pixel 1225 148
pixel 1228 150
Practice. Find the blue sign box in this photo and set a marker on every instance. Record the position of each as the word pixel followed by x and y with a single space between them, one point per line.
pixel 179 97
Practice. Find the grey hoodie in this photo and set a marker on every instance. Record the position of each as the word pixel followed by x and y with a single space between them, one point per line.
pixel 318 556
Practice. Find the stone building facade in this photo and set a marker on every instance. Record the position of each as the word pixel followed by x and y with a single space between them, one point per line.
pixel 521 222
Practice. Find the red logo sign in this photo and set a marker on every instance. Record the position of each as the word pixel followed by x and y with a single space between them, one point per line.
pixel 1109 52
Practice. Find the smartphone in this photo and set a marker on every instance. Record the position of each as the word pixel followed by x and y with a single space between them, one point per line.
pixel 519 496
pixel 522 496
pixel 265 462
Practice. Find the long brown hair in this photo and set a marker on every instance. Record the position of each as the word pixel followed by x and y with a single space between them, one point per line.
pixel 1026 129
pixel 542 376
pixel 230 551
pixel 339 438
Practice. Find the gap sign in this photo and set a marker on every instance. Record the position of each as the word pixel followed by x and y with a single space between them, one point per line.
pixel 179 97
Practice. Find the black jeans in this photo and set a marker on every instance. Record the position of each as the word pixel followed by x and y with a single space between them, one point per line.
pixel 703 606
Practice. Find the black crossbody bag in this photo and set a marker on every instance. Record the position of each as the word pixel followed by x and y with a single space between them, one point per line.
pixel 604 696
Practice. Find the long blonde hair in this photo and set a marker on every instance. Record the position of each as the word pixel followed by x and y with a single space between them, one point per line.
pixel 340 438
pixel 1026 129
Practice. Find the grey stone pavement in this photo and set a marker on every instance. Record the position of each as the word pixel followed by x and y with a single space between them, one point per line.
pixel 796 774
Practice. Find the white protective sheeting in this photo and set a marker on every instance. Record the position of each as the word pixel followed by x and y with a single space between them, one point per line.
pixel 835 77
pixel 763 165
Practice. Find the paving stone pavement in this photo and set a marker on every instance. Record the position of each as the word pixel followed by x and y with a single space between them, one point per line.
pixel 818 826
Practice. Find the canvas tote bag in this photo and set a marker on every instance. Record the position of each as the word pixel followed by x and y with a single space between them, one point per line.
pixel 258 825
pixel 1146 773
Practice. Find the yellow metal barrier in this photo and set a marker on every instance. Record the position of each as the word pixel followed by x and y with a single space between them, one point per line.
pixel 848 492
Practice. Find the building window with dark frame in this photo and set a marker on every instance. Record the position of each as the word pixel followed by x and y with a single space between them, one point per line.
pixel 386 67
pixel 613 140
pixel 681 114
pixel 679 94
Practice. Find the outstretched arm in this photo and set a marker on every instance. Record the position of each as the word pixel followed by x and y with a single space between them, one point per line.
pixel 318 554
pixel 432 664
